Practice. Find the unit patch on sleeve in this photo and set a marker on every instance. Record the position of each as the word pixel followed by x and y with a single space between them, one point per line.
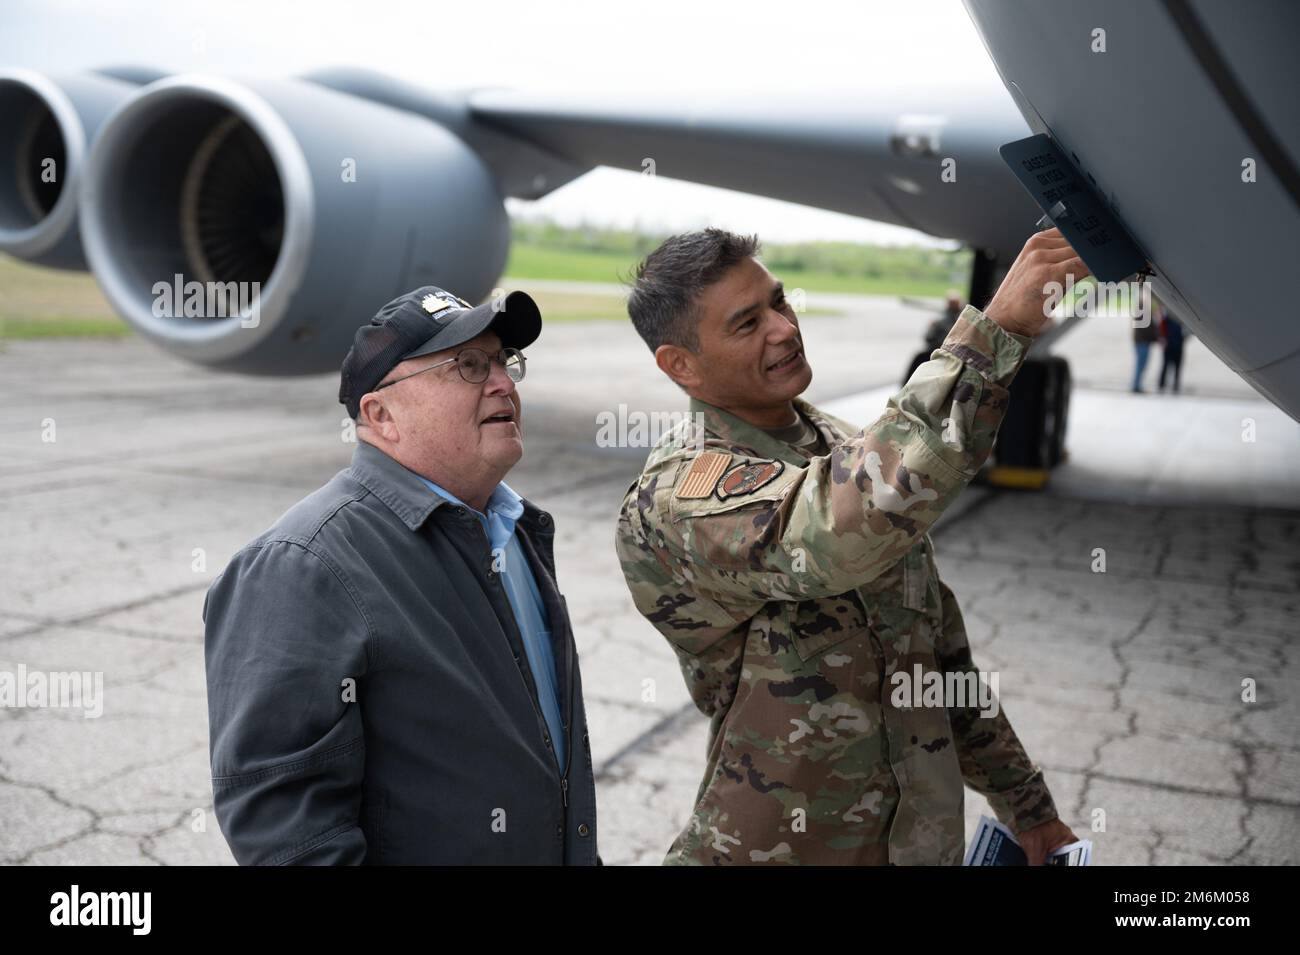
pixel 748 478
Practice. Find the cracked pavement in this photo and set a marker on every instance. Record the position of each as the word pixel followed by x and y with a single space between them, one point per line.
pixel 1125 685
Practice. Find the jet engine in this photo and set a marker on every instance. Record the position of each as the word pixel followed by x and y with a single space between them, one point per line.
pixel 46 126
pixel 252 226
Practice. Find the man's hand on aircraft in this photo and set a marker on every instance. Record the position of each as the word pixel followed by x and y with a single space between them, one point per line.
pixel 1019 305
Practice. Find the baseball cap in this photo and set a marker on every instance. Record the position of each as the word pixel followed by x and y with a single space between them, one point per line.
pixel 424 321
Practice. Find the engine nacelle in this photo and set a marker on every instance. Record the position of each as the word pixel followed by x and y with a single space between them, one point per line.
pixel 46 125
pixel 253 226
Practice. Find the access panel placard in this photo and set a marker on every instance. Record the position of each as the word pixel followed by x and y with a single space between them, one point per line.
pixel 1067 198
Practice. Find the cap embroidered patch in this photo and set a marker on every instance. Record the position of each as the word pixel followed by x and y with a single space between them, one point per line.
pixel 748 478
pixel 433 304
pixel 704 473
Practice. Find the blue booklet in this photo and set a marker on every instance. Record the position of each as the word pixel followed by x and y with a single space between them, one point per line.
pixel 995 844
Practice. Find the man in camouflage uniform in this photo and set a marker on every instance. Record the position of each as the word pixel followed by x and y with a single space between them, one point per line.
pixel 785 556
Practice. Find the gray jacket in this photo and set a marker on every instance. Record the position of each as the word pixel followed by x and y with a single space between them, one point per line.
pixel 369 698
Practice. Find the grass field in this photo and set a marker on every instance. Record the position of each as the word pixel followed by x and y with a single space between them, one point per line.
pixel 37 302
pixel 529 261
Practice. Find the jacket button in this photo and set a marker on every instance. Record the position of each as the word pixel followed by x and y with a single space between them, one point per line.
pixel 548 740
pixel 583 830
pixel 559 831
pixel 544 519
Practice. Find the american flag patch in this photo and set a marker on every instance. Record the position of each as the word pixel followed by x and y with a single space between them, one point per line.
pixel 703 475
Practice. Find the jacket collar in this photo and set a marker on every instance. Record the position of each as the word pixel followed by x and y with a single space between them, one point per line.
pixel 740 433
pixel 396 485
pixel 407 494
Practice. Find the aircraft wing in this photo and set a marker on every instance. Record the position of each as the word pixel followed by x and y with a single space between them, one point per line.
pixel 878 157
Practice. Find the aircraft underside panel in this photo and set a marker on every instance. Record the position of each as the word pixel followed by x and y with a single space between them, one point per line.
pixel 1185 117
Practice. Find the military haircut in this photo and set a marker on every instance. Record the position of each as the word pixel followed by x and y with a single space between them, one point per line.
pixel 663 303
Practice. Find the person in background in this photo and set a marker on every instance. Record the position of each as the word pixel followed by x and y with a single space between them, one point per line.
pixel 1145 332
pixel 1171 333
pixel 938 329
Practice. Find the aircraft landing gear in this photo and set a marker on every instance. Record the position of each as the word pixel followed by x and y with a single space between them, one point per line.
pixel 1031 440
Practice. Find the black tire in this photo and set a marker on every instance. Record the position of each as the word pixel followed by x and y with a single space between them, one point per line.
pixel 1059 410
pixel 1024 440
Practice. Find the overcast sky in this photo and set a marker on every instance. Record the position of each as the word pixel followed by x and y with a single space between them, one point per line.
pixel 810 46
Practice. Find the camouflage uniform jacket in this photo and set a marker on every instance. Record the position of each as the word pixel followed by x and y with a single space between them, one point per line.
pixel 792 588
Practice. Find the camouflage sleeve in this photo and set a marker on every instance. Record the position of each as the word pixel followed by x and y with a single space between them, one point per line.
pixel 852 514
pixel 993 763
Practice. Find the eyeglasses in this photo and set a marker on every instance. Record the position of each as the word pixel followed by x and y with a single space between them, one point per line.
pixel 474 365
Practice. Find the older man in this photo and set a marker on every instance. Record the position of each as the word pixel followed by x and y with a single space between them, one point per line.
pixel 784 554
pixel 391 671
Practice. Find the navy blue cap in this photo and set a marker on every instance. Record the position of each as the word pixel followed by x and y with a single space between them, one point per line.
pixel 424 321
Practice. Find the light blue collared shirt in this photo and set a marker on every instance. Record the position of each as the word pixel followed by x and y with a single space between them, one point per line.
pixel 504 508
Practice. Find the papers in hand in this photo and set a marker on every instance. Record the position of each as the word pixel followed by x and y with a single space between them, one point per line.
pixel 994 844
